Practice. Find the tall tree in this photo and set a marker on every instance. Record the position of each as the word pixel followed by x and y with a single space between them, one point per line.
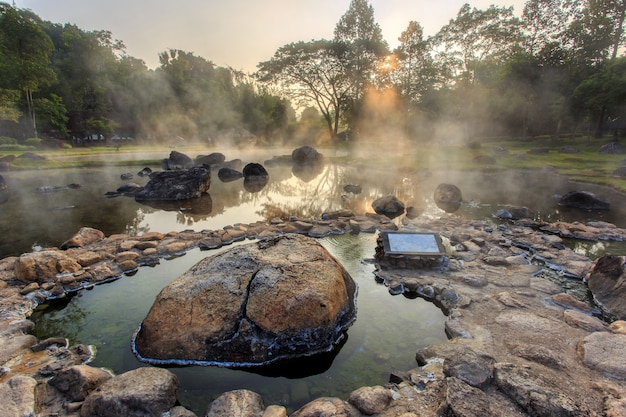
pixel 312 73
pixel 475 37
pixel 543 23
pixel 24 56
pixel 363 48
pixel 415 71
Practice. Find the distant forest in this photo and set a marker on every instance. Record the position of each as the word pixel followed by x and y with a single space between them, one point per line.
pixel 558 69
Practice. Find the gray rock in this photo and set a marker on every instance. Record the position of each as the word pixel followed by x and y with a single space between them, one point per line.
pixel 17 396
pixel 606 353
pixel 463 400
pixel 535 396
pixel 240 403
pixel 469 367
pixel 141 392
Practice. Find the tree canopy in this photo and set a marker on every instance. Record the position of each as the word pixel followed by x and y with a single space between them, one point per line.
pixel 555 67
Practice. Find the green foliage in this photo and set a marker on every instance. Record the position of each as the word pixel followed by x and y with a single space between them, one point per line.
pixel 16 148
pixel 486 72
pixel 33 142
pixel 4 140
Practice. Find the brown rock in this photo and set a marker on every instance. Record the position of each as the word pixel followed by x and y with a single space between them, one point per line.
pixel 242 403
pixel 370 400
pixel 85 236
pixel 44 266
pixel 80 380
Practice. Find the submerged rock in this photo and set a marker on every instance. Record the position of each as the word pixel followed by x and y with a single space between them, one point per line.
pixel 252 305
pixel 583 200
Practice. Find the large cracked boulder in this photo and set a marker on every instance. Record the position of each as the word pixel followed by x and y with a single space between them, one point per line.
pixel 252 305
pixel 182 184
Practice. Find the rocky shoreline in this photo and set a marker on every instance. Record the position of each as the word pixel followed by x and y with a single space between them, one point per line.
pixel 519 344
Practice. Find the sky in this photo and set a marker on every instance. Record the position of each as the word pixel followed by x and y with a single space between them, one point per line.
pixel 238 33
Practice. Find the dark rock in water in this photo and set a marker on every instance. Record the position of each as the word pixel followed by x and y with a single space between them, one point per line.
pixel 607 283
pixel 4 167
pixel 583 200
pixel 127 176
pixel 228 174
pixel 252 305
pixel 306 155
pixel 254 170
pixel 612 148
pixel 180 184
pixel 388 205
pixel 620 172
pixel 177 160
pixel 4 190
pixel 448 197
pixel 308 163
pixel 216 158
pixel 354 189
pixel 145 172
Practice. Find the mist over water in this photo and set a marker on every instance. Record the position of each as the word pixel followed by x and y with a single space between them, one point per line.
pixel 47 219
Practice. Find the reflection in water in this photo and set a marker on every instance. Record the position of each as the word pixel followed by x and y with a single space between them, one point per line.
pixel 28 218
